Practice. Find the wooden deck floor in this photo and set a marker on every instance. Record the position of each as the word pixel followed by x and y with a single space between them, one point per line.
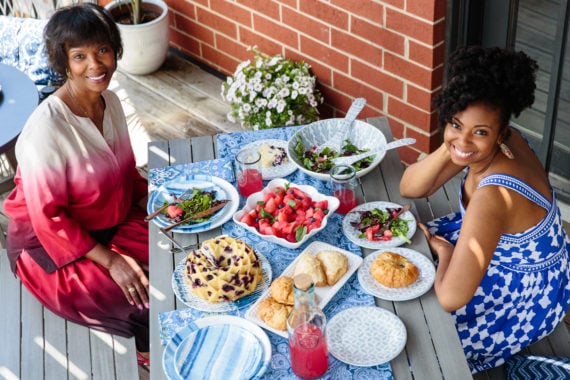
pixel 180 100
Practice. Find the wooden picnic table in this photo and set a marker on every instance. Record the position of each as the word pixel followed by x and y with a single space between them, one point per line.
pixel 432 350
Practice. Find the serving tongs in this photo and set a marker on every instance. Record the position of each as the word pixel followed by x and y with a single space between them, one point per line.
pixel 349 160
pixel 183 197
pixel 198 215
pixel 177 246
pixel 342 133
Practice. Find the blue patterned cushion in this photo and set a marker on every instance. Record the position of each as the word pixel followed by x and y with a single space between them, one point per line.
pixel 22 46
pixel 9 51
pixel 531 367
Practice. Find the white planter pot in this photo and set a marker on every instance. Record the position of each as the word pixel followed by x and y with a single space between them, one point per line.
pixel 144 45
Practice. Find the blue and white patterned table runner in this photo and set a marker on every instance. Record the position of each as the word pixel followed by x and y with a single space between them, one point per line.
pixel 351 294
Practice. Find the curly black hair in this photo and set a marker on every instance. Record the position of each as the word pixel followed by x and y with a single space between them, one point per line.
pixel 77 25
pixel 500 78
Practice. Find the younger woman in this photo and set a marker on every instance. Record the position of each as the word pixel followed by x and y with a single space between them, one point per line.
pixel 503 267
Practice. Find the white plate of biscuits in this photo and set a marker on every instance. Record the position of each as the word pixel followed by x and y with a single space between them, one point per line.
pixel 338 265
pixel 394 278
pixel 275 162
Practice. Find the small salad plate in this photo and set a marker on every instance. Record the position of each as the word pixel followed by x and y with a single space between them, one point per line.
pixel 222 189
pixel 365 336
pixel 422 284
pixel 217 347
pixel 353 234
pixel 277 171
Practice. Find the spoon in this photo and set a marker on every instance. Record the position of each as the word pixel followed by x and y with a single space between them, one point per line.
pixel 349 160
pixel 335 142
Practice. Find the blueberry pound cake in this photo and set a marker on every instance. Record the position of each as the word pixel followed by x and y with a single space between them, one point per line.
pixel 272 155
pixel 223 269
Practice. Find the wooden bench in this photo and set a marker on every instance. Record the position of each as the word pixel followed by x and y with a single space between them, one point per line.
pixel 445 201
pixel 37 344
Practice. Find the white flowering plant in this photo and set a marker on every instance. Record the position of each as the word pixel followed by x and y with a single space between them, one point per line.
pixel 272 92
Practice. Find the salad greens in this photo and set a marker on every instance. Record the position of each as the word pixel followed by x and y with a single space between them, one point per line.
pixel 377 224
pixel 322 162
pixel 199 201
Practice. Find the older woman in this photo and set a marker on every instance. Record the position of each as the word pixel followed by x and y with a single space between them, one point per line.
pixel 77 239
pixel 503 267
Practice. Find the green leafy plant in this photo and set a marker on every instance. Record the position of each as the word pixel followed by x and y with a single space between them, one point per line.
pixel 272 92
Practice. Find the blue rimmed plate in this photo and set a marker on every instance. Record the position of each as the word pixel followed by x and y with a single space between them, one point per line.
pixel 184 294
pixel 223 190
pixel 221 347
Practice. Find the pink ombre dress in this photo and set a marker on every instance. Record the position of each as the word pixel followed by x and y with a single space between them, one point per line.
pixel 74 188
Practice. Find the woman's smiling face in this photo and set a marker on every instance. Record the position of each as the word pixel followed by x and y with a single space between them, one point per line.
pixel 91 66
pixel 472 135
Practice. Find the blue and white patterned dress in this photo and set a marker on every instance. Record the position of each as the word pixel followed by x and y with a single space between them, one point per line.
pixel 526 290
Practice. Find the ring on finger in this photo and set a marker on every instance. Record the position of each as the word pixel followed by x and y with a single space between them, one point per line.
pixel 132 290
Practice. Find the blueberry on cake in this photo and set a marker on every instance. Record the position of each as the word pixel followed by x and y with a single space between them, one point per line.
pixel 223 269
pixel 272 155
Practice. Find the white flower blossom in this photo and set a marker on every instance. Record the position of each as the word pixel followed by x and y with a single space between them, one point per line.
pixel 264 94
pixel 281 105
pixel 284 92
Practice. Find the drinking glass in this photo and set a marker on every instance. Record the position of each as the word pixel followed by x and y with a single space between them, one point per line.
pixel 248 173
pixel 343 182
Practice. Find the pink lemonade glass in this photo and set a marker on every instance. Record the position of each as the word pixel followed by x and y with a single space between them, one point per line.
pixel 248 173
pixel 343 182
pixel 309 352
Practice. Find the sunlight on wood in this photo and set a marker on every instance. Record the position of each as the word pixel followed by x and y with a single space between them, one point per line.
pixel 158 152
pixel 109 341
pixel 60 358
pixel 157 294
pixel 6 374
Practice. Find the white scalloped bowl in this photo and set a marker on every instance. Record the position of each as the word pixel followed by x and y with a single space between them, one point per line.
pixel 363 135
pixel 252 200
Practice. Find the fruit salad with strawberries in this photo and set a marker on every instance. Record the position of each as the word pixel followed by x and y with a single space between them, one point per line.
pixel 286 212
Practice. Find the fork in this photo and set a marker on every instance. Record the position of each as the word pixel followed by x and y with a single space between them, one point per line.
pixel 183 197
pixel 335 142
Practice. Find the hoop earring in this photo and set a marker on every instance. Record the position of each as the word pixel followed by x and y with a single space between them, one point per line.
pixel 68 73
pixel 506 151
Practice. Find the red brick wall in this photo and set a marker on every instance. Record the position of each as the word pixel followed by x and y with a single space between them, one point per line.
pixel 389 52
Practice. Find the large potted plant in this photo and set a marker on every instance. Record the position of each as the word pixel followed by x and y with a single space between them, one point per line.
pixel 145 32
